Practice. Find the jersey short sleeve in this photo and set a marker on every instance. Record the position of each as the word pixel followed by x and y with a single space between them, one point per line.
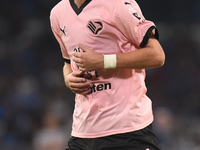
pixel 131 22
pixel 56 31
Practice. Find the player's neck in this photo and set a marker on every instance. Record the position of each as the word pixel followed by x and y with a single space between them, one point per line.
pixel 79 2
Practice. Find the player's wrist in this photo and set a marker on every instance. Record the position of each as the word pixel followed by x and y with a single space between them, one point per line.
pixel 110 61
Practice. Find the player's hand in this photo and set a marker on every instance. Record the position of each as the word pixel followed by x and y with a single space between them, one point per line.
pixel 78 84
pixel 89 60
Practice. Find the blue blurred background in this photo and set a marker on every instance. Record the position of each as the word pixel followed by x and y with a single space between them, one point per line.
pixel 36 107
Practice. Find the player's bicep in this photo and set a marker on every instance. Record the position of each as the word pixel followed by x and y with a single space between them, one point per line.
pixel 156 50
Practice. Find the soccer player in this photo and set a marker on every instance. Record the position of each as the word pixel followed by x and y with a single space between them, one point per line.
pixel 107 45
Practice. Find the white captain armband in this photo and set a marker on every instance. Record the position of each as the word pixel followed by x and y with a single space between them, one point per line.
pixel 110 61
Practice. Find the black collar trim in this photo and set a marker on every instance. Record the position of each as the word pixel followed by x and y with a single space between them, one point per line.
pixel 79 10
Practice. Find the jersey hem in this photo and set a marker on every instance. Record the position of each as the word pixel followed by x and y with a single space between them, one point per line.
pixel 121 131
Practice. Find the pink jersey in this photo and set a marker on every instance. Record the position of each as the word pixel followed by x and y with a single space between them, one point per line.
pixel 117 102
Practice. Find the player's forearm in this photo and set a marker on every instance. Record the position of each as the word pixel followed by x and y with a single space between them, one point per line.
pixel 149 57
pixel 66 71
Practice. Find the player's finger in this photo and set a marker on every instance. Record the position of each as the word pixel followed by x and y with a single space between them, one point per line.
pixel 82 68
pixel 78 54
pixel 76 59
pixel 88 91
pixel 74 79
pixel 80 85
pixel 83 47
pixel 78 73
pixel 81 91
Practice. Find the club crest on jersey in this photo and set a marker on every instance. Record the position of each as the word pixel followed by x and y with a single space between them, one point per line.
pixel 95 26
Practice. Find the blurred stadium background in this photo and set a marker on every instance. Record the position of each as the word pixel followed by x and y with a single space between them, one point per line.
pixel 35 105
